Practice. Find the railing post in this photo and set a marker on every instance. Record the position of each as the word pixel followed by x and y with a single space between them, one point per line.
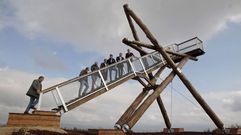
pixel 55 98
pixel 152 59
pixel 61 99
pixel 39 101
pixel 132 67
pixel 140 59
pixel 161 58
pixel 102 78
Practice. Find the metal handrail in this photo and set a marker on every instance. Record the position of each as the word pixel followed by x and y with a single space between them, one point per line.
pixel 80 77
pixel 112 65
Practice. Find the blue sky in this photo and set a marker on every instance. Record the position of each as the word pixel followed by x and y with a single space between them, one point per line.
pixel 58 39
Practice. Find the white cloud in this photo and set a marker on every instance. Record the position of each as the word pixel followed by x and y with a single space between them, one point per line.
pixel 48 60
pixel 105 110
pixel 101 25
pixel 13 87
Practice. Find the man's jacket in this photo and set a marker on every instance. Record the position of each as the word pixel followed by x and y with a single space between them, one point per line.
pixel 36 85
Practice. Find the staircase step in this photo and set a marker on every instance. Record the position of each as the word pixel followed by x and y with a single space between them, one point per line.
pixel 38 118
pixel 44 112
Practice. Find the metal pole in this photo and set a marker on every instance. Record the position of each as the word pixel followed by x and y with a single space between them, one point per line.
pixel 132 66
pixel 103 80
pixel 143 66
pixel 55 98
pixel 39 101
pixel 61 99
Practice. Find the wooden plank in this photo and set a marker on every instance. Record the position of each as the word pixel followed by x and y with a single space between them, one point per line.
pixel 19 119
pixel 52 113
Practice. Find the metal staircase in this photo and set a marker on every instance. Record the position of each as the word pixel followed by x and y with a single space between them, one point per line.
pixel 66 94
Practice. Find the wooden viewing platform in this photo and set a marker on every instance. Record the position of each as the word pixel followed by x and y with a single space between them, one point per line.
pixel 37 118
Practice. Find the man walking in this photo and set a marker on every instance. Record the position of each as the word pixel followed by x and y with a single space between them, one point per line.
pixel 33 92
pixel 104 71
pixel 83 82
pixel 94 76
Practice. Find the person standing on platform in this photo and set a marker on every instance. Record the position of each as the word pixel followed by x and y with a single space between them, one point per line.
pixel 104 72
pixel 110 61
pixel 120 66
pixel 83 82
pixel 129 54
pixel 34 92
pixel 94 76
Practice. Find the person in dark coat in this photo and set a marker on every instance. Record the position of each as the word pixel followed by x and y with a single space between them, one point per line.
pixel 110 61
pixel 83 82
pixel 33 92
pixel 129 54
pixel 120 66
pixel 104 71
pixel 94 76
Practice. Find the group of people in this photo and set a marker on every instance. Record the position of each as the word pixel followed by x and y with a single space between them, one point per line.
pixel 36 86
pixel 118 69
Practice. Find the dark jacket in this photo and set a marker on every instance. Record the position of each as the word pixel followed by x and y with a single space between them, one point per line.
pixel 32 92
pixel 119 58
pixel 83 72
pixel 128 55
pixel 110 61
pixel 94 67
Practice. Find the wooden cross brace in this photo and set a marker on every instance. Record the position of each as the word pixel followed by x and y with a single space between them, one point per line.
pixel 139 106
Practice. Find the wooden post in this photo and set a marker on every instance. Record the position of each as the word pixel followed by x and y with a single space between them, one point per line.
pixel 164 112
pixel 150 99
pixel 133 30
pixel 137 101
pixel 123 119
pixel 183 78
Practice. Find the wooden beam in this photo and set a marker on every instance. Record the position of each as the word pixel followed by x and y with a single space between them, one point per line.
pixel 140 50
pixel 164 112
pixel 150 99
pixel 137 101
pixel 138 43
pixel 133 30
pixel 153 87
pixel 183 78
pixel 123 119
pixel 140 81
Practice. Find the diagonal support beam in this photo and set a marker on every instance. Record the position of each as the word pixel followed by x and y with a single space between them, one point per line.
pixel 133 30
pixel 164 112
pixel 138 100
pixel 123 119
pixel 182 77
pixel 140 50
pixel 150 99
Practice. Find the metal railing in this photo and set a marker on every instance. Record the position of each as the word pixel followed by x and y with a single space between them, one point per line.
pixel 75 89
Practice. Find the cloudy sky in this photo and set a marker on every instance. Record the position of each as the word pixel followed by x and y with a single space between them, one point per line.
pixel 57 38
